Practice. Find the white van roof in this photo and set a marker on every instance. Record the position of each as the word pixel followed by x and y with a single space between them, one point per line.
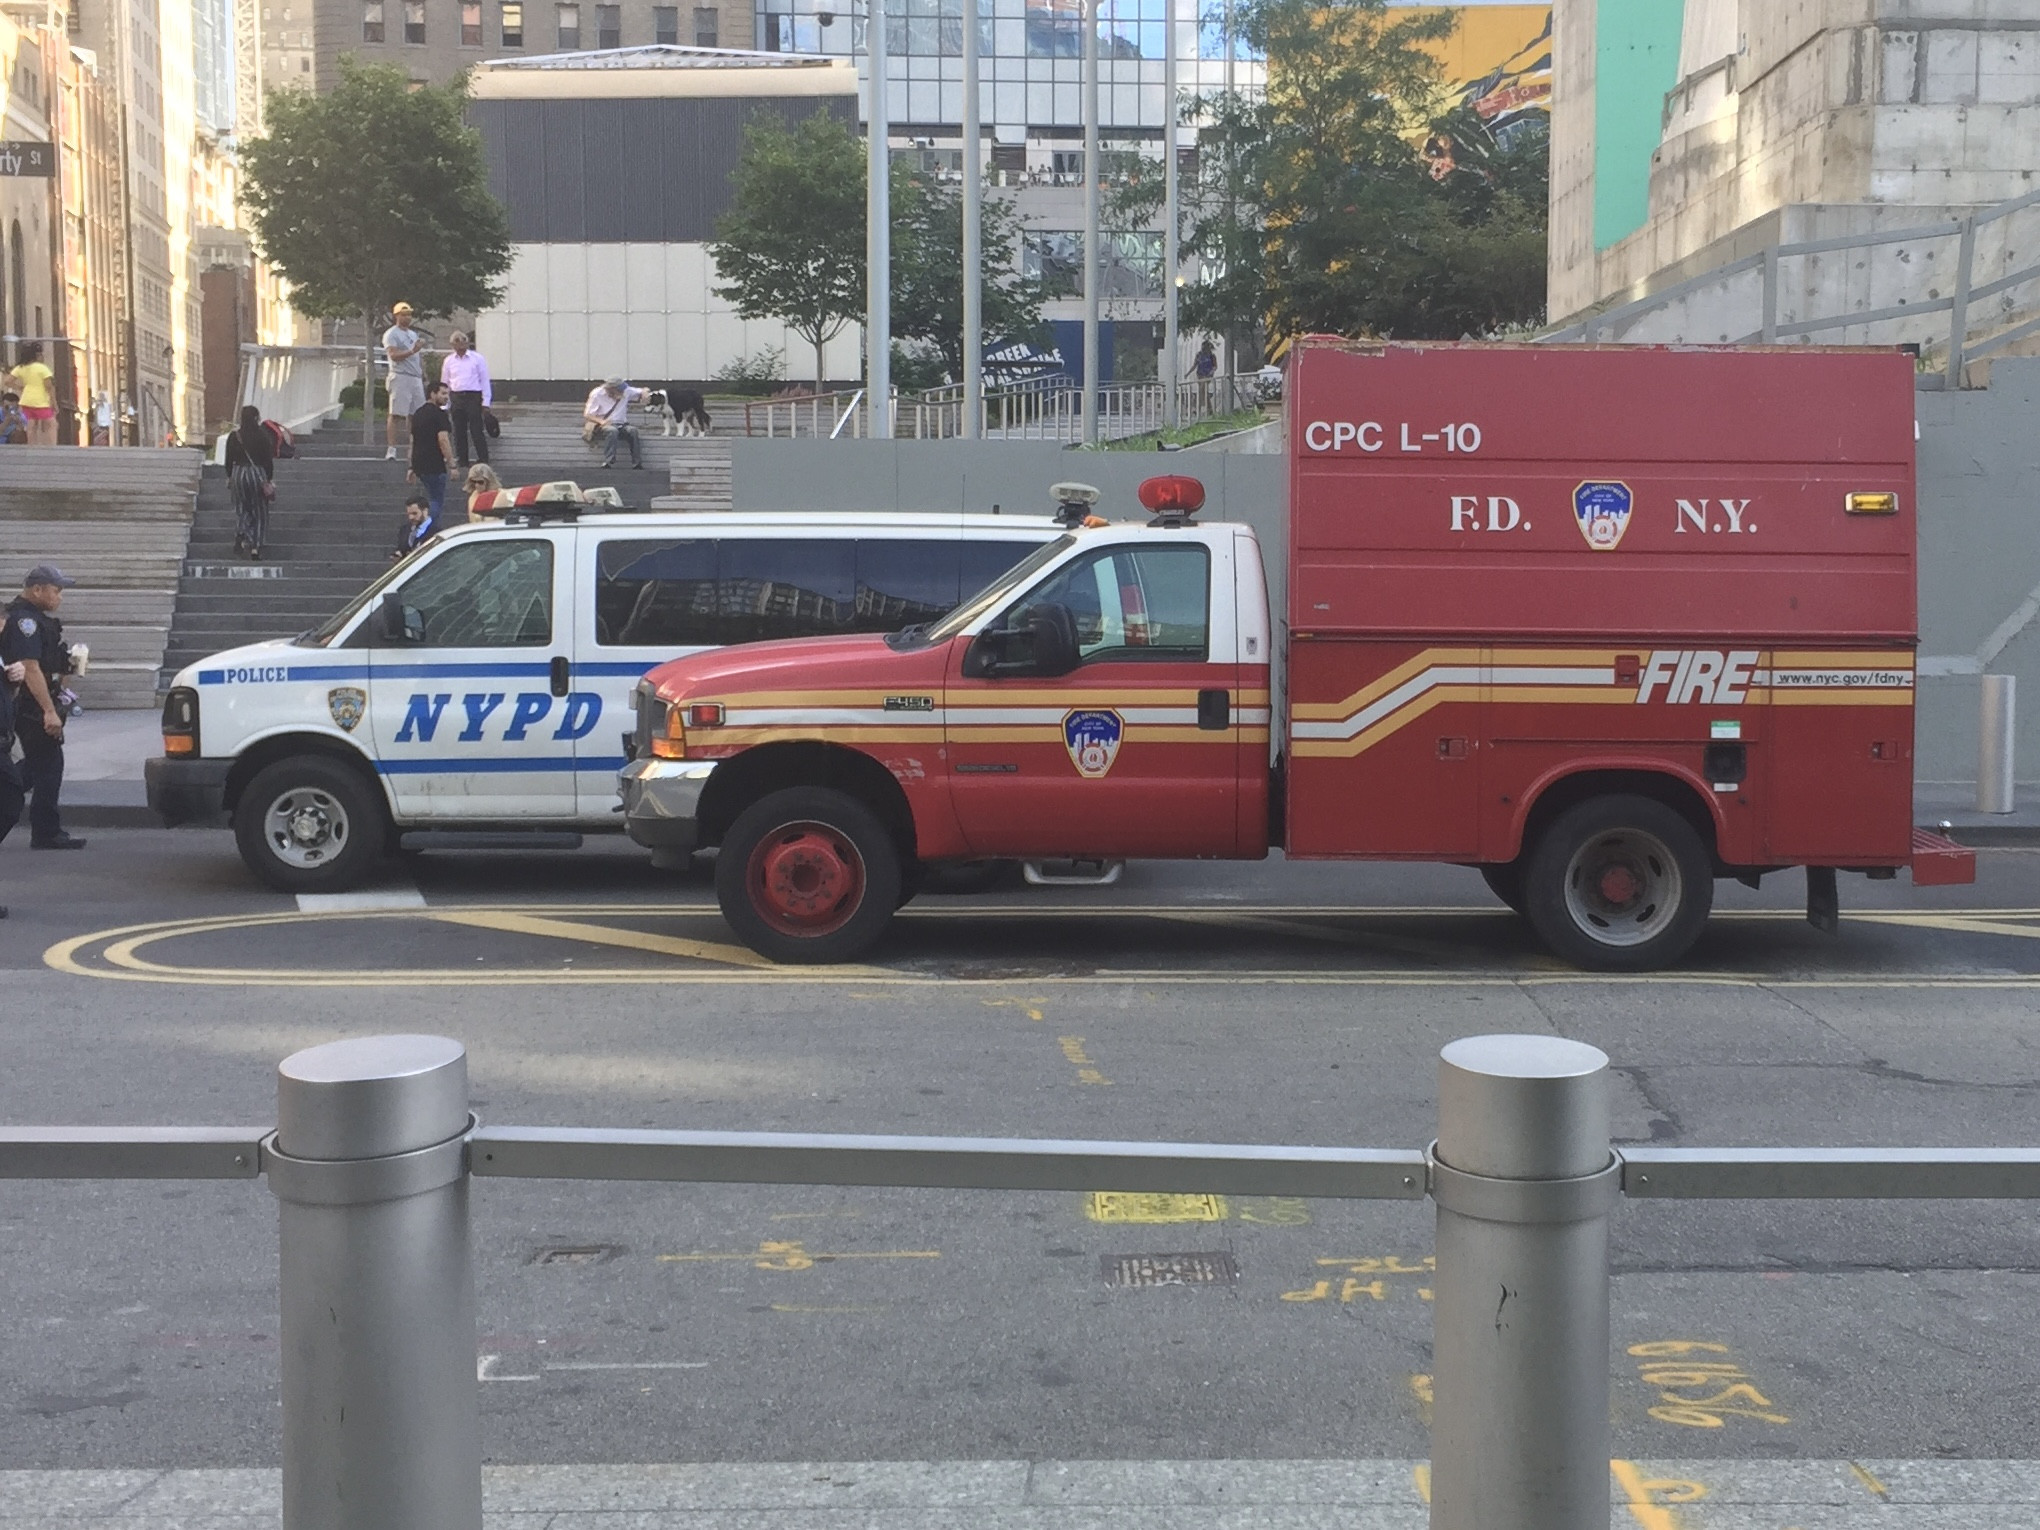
pixel 719 522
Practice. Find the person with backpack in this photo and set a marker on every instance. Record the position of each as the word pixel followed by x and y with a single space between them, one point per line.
pixel 251 477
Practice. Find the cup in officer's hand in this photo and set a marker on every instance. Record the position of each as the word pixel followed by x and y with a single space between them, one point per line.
pixel 81 658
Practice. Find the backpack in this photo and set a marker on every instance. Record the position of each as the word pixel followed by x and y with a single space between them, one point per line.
pixel 281 439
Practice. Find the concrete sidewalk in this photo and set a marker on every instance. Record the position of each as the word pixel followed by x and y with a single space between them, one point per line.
pixel 1071 1495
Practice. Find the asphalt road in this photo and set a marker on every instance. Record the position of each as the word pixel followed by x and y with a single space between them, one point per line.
pixel 149 980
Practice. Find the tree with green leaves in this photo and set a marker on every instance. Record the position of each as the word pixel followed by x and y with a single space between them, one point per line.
pixel 1314 207
pixel 791 244
pixel 927 267
pixel 375 192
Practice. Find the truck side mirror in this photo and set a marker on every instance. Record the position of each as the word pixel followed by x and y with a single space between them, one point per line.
pixel 1055 639
pixel 1046 646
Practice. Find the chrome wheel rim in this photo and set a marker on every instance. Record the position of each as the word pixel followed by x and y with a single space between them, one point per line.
pixel 1623 887
pixel 306 828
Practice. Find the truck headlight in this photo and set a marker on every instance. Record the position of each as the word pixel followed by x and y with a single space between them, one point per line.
pixel 180 722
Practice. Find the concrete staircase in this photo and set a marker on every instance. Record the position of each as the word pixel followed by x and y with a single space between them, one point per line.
pixel 117 521
pixel 336 517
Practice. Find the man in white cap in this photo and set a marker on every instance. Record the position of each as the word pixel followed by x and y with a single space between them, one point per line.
pixel 406 349
pixel 606 421
pixel 33 637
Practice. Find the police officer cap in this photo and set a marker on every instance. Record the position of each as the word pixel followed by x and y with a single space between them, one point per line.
pixel 48 573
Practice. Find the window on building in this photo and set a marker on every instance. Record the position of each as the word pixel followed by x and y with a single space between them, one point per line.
pixel 471 23
pixel 414 21
pixel 609 26
pixel 707 27
pixel 570 25
pixel 304 66
pixel 371 20
pixel 1055 258
pixel 513 23
pixel 666 25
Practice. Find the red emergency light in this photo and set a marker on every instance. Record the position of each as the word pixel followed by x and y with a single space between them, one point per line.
pixel 1174 494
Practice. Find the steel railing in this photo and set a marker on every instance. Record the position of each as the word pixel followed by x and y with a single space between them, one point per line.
pixel 375 1152
pixel 298 386
pixel 1751 294
pixel 1036 409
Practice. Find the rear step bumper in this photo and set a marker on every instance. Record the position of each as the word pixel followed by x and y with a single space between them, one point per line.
pixel 1937 861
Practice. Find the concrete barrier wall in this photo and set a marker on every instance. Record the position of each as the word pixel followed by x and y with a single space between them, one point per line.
pixel 1979 520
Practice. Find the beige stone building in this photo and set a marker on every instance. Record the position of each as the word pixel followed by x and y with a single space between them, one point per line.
pixel 1685 136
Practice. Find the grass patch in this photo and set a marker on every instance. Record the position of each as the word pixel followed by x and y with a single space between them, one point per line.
pixel 1189 435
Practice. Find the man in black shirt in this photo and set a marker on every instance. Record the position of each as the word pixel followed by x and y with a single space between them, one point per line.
pixel 431 446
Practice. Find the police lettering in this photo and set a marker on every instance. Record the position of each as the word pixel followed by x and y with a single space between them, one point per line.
pixel 525 712
pixel 1708 676
pixel 255 674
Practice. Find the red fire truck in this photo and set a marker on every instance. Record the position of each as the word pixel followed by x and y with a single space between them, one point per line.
pixel 1606 623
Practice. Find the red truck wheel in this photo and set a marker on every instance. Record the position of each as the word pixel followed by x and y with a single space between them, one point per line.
pixel 1619 884
pixel 808 875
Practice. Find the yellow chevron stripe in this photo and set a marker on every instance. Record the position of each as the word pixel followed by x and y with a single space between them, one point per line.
pixel 1842 658
pixel 1395 722
pixel 1863 696
pixel 1338 711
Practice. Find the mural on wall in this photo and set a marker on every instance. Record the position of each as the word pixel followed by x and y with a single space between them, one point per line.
pixel 1497 70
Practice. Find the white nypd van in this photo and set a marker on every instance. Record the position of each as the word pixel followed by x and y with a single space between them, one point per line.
pixel 483 686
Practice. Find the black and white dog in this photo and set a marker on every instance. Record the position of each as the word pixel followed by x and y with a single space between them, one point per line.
pixel 683 411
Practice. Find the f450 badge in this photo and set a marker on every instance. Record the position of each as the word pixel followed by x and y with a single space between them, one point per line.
pixel 1603 513
pixel 1092 739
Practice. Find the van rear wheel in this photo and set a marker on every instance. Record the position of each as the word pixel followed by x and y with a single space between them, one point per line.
pixel 808 875
pixel 311 824
pixel 1619 884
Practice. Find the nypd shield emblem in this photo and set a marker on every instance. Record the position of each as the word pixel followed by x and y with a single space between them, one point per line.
pixel 1092 739
pixel 1603 513
pixel 347 703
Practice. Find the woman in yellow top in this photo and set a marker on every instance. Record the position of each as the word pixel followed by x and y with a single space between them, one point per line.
pixel 38 403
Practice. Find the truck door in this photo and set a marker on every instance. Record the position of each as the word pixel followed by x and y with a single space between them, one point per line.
pixel 1134 751
pixel 469 685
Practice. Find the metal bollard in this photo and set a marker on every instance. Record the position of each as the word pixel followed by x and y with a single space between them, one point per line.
pixel 381 1417
pixel 1995 744
pixel 1524 1181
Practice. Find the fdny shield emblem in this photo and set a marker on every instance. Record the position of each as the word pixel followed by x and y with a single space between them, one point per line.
pixel 1603 512
pixel 347 703
pixel 1092 739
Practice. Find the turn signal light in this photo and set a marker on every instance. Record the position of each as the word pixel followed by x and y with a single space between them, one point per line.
pixel 179 743
pixel 705 715
pixel 1872 504
pixel 672 744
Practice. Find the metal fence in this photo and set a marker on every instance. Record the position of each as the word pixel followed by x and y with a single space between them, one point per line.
pixel 1037 409
pixel 374 1154
pixel 1954 288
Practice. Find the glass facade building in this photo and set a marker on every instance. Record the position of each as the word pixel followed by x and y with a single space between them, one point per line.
pixel 1032 53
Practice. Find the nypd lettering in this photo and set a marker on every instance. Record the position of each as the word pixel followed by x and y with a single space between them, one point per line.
pixel 1092 738
pixel 490 715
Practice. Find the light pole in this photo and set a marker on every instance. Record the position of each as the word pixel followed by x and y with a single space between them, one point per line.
pixel 1171 191
pixel 973 253
pixel 1091 11
pixel 878 235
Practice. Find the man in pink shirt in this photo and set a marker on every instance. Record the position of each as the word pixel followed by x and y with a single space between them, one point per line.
pixel 466 377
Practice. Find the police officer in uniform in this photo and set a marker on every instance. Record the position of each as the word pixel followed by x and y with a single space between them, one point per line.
pixel 10 775
pixel 32 635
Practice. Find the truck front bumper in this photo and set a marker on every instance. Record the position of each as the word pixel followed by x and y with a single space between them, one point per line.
pixel 661 802
pixel 187 791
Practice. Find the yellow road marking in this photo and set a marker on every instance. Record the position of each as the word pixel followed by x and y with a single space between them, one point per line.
pixel 1422 1473
pixel 1647 1497
pixel 1877 1489
pixel 1136 1206
pixel 773 1254
pixel 514 923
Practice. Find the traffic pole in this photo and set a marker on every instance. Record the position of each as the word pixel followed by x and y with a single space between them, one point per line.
pixel 1524 1180
pixel 1091 11
pixel 381 1417
pixel 973 234
pixel 877 234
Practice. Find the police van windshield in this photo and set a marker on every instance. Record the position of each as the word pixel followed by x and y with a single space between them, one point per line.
pixel 1014 577
pixel 323 634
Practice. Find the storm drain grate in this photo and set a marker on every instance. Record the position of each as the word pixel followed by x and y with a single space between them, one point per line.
pixel 1170 1269
pixel 587 1253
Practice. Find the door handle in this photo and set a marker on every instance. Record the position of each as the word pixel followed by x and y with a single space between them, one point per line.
pixel 1214 710
pixel 562 674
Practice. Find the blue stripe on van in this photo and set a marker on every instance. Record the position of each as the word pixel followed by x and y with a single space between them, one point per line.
pixel 459 765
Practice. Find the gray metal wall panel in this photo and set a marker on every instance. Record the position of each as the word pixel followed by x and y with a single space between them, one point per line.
pixel 565 214
pixel 641 171
pixel 607 165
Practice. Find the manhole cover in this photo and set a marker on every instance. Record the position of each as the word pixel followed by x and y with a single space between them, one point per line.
pixel 1170 1270
pixel 588 1253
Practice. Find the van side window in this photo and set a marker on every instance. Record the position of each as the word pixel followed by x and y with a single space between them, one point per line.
pixel 783 588
pixel 1131 603
pixel 488 593
pixel 900 583
pixel 656 594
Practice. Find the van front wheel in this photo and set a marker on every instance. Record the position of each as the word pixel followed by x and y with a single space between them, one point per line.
pixel 1619 884
pixel 808 875
pixel 310 824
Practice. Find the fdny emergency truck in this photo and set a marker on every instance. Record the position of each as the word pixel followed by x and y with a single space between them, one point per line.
pixel 480 693
pixel 1607 623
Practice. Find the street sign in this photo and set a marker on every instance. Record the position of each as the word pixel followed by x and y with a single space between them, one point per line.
pixel 20 156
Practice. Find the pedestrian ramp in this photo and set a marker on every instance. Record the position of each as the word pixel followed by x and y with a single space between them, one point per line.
pixel 117 520
pixel 1381 1494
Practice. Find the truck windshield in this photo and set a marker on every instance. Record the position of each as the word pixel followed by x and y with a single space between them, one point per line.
pixel 1019 575
pixel 323 634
